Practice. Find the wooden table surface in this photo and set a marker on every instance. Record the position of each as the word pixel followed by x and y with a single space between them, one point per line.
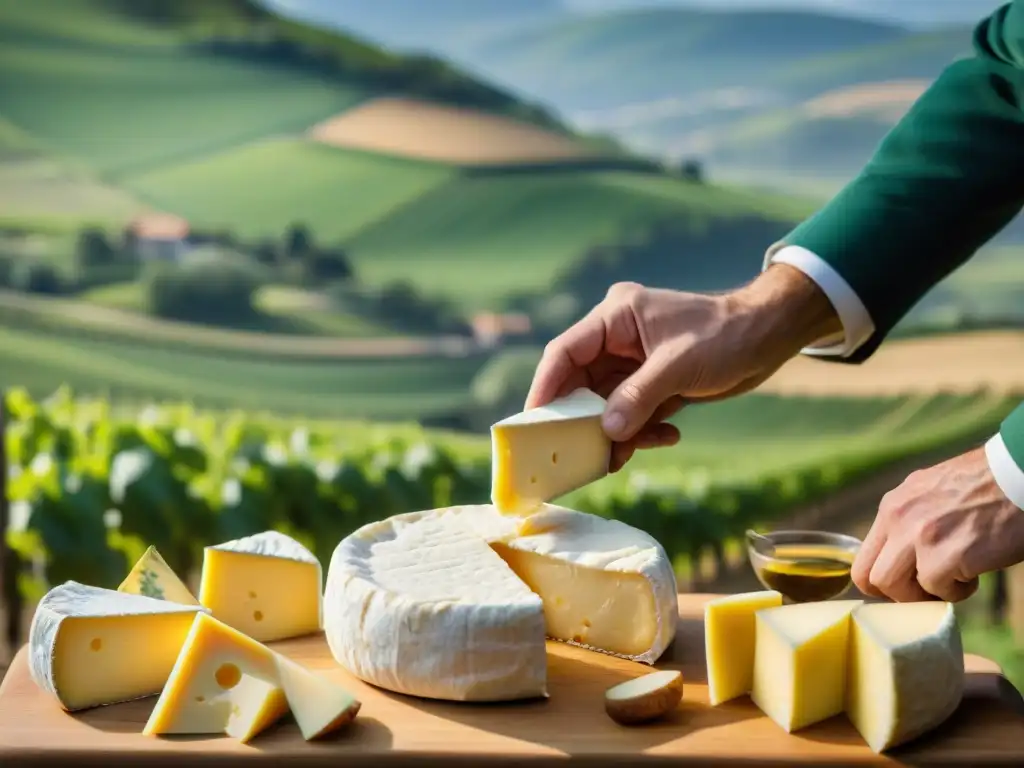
pixel 570 727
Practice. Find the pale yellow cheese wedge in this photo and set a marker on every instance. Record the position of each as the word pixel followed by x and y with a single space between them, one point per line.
pixel 800 658
pixel 319 705
pixel 222 678
pixel 543 453
pixel 267 585
pixel 906 670
pixel 729 642
pixel 644 698
pixel 153 577
pixel 226 682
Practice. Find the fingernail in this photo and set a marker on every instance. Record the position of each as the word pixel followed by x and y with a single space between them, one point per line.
pixel 614 423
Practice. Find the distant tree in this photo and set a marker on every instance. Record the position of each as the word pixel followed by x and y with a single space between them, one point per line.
pixel 34 276
pixel 298 242
pixel 692 170
pixel 328 265
pixel 93 249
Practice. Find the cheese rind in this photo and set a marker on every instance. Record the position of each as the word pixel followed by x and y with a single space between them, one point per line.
pixel 267 585
pixel 455 604
pixel 606 585
pixel 153 577
pixel 420 604
pixel 906 670
pixel 729 629
pixel 90 646
pixel 543 453
pixel 800 662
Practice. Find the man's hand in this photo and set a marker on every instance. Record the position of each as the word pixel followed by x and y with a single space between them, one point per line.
pixel 650 351
pixel 938 531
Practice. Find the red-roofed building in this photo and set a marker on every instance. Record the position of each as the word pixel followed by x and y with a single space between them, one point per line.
pixel 160 236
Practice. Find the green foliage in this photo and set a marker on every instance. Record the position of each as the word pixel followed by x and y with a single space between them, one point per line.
pixel 501 386
pixel 92 487
pixel 210 286
pixel 36 276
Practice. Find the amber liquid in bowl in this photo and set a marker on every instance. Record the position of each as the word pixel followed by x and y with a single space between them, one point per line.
pixel 808 572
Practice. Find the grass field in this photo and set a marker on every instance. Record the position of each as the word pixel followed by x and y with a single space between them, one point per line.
pixel 280 309
pixel 259 189
pixel 479 237
pixel 384 388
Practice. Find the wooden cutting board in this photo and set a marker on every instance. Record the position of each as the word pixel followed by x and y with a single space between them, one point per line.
pixel 393 731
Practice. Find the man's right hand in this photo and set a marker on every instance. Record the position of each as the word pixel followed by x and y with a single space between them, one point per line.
pixel 650 351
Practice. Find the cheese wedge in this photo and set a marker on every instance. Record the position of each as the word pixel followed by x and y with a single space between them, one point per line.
pixel 153 577
pixel 226 682
pixel 268 586
pixel 800 661
pixel 319 705
pixel 729 642
pixel 91 646
pixel 906 673
pixel 543 453
pixel 455 603
pixel 220 674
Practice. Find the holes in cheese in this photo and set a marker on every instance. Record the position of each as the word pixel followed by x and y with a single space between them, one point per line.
pixel 729 642
pixel 543 453
pixel 906 670
pixel 225 682
pixel 91 646
pixel 267 586
pixel 644 698
pixel 153 577
pixel 800 654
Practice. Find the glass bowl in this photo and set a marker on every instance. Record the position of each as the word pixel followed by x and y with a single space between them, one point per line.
pixel 804 566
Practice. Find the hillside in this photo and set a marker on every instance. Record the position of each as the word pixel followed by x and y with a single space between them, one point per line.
pixel 90 77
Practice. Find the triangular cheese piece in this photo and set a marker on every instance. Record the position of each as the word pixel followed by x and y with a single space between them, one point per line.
pixel 90 646
pixel 319 705
pixel 268 586
pixel 800 661
pixel 906 674
pixel 543 453
pixel 153 577
pixel 221 679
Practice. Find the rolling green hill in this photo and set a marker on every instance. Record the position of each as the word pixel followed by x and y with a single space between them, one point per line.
pixel 258 189
pixel 129 86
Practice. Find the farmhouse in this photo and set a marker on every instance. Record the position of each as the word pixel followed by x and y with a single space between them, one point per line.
pixel 491 329
pixel 159 236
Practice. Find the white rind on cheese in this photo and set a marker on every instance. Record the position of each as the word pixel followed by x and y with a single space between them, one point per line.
pixel 269 544
pixel 70 601
pixel 579 404
pixel 422 604
pixel 906 670
pixel 589 541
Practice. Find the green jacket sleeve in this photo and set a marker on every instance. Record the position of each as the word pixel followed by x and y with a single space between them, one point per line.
pixel 944 181
pixel 1005 454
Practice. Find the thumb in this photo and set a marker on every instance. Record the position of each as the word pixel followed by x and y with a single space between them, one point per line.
pixel 636 399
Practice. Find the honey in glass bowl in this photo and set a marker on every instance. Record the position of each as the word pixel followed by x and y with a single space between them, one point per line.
pixel 803 566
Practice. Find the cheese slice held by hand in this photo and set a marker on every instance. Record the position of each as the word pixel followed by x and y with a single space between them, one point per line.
pixel 153 577
pixel 906 673
pixel 729 642
pixel 546 452
pixel 268 586
pixel 800 654
pixel 90 646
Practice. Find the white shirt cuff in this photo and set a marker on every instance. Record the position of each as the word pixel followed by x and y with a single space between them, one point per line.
pixel 857 323
pixel 1008 476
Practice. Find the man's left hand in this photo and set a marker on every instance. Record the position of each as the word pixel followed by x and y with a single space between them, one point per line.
pixel 938 531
